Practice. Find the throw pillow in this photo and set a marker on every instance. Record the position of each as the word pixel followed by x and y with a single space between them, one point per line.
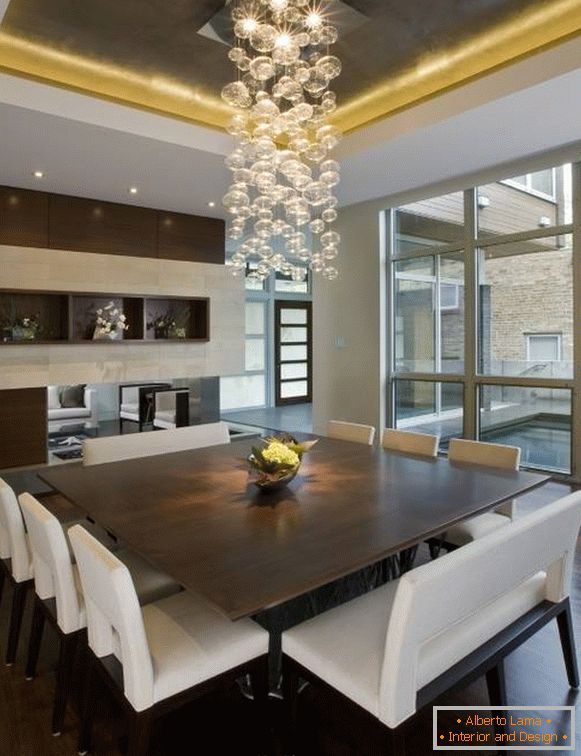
pixel 54 401
pixel 73 396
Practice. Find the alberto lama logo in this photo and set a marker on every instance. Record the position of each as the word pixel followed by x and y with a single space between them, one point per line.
pixel 485 728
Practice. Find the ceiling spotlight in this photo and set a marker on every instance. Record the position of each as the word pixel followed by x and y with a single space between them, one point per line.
pixel 283 40
pixel 278 5
pixel 133 190
pixel 211 204
pixel 38 174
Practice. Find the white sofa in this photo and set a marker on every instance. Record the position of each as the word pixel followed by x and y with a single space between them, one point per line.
pixel 59 416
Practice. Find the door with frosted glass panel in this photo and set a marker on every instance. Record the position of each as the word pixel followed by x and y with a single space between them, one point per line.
pixel 293 352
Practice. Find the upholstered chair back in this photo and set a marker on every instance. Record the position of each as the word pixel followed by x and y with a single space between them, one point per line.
pixel 410 442
pixel 114 619
pixel 165 401
pixel 98 451
pixel 483 453
pixel 53 568
pixel 13 541
pixel 361 434
pixel 473 592
pixel 130 394
pixel 489 455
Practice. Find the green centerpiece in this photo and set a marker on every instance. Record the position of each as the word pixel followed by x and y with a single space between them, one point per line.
pixel 275 464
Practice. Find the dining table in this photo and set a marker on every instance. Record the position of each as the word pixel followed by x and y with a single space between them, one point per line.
pixel 282 556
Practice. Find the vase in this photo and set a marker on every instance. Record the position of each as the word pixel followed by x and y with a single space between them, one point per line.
pixel 115 335
pixel 266 486
pixel 22 333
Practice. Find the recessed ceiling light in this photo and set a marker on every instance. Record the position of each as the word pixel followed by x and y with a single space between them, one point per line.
pixel 133 190
pixel 211 204
pixel 38 174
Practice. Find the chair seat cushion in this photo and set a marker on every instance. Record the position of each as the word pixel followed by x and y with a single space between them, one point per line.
pixel 65 412
pixel 168 416
pixel 190 642
pixel 475 527
pixel 345 646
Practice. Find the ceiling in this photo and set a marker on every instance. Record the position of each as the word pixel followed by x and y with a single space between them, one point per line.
pixel 148 52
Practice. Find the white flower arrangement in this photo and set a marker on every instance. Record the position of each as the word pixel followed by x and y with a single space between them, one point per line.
pixel 109 321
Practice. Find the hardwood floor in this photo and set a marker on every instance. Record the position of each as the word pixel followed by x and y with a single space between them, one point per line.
pixel 535 675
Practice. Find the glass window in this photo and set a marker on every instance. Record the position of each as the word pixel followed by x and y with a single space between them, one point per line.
pixel 430 407
pixel 430 223
pixel 293 335
pixel 293 316
pixel 526 288
pixel 522 203
pixel 255 318
pixel 290 389
pixel 296 353
pixel 241 391
pixel 255 354
pixel 284 283
pixel 543 347
pixel 538 420
pixel 429 324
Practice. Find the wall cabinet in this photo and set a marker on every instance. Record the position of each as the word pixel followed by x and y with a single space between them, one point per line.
pixel 55 221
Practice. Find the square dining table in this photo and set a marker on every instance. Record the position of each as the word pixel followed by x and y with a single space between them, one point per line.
pixel 196 516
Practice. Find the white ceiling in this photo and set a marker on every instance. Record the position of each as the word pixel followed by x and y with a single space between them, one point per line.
pixel 92 148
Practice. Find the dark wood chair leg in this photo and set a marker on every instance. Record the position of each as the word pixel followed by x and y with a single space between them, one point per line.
pixel 35 639
pixel 395 742
pixel 259 681
pixel 290 692
pixel 63 683
pixel 2 581
pixel 88 704
pixel 435 546
pixel 18 602
pixel 140 727
pixel 496 683
pixel 565 625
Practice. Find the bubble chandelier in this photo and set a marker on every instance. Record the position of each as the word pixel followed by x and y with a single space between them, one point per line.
pixel 281 198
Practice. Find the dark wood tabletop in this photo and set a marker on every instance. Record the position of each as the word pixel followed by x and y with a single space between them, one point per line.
pixel 194 514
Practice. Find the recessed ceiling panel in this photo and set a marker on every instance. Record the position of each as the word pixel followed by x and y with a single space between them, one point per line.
pixel 157 44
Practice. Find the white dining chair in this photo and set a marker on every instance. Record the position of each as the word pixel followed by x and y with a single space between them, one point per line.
pixel 16 563
pixel 410 442
pixel 169 651
pixel 99 451
pixel 171 408
pixel 464 451
pixel 59 598
pixel 446 623
pixel 361 434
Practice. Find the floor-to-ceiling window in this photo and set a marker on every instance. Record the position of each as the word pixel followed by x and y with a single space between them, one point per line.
pixel 482 315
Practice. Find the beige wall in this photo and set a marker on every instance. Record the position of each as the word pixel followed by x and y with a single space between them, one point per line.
pixel 346 380
pixel 41 365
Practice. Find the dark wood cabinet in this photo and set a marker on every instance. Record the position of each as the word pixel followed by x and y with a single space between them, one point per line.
pixel 56 221
pixel 85 225
pixel 191 238
pixel 23 419
pixel 23 217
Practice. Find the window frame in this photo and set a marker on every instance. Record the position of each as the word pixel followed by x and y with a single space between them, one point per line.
pixel 472 245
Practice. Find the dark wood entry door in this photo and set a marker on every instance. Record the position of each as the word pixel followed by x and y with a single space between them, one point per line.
pixel 293 343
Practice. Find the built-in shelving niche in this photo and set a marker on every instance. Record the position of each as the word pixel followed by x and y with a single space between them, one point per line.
pixel 28 318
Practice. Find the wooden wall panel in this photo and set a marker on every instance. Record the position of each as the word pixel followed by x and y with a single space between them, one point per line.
pixel 23 419
pixel 23 217
pixel 86 225
pixel 191 238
